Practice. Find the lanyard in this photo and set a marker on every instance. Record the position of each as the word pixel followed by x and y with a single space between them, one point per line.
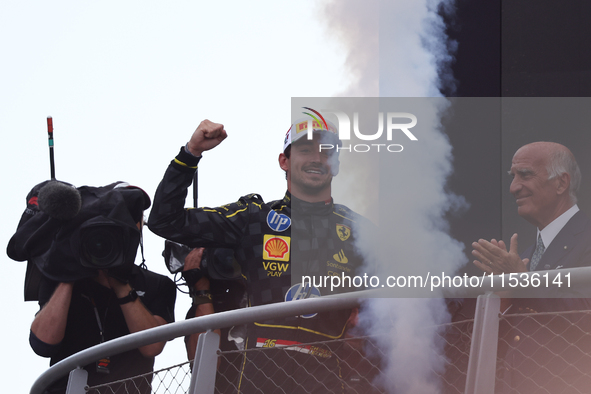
pixel 97 316
pixel 102 365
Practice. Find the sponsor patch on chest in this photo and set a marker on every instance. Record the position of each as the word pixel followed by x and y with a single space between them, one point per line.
pixel 275 268
pixel 344 232
pixel 276 247
pixel 278 221
pixel 300 292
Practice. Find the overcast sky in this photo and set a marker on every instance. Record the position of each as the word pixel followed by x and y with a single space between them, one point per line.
pixel 126 83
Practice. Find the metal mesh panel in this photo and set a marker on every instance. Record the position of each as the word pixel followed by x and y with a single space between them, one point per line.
pixel 356 366
pixel 457 337
pixel 545 353
pixel 348 365
pixel 340 366
pixel 172 380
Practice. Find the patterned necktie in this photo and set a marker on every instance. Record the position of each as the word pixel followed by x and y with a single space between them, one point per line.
pixel 535 259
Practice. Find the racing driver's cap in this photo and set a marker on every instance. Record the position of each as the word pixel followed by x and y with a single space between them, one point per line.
pixel 299 130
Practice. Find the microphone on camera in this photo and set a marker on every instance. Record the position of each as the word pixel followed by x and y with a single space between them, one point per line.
pixel 59 200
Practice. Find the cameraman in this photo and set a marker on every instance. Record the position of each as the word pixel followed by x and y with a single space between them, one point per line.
pixel 90 291
pixel 77 315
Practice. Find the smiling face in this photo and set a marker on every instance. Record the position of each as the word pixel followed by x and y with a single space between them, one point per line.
pixel 309 171
pixel 539 200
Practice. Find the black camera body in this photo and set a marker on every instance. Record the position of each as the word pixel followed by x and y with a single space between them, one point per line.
pixel 216 263
pixel 219 265
pixel 66 244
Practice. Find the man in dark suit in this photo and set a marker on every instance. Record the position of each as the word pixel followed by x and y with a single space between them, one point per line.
pixel 544 351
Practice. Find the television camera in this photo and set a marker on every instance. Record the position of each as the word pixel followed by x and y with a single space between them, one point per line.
pixel 69 233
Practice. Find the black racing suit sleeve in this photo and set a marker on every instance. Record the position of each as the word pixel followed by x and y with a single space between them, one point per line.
pixel 194 227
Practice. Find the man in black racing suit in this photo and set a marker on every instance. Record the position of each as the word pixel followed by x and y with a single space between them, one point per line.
pixel 275 243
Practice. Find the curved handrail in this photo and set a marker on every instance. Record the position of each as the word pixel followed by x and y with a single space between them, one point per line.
pixel 187 327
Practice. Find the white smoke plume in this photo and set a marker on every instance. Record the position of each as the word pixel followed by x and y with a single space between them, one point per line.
pixel 354 23
pixel 394 48
pixel 412 240
pixel 399 49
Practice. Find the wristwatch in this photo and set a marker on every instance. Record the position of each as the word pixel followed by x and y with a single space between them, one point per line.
pixel 132 296
pixel 201 297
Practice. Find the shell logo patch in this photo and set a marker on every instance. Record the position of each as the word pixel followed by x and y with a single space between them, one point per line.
pixel 344 232
pixel 276 247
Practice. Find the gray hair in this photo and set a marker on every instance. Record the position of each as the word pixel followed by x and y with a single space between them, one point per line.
pixel 561 161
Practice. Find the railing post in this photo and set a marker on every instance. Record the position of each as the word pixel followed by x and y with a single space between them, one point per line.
pixel 205 364
pixel 481 373
pixel 77 381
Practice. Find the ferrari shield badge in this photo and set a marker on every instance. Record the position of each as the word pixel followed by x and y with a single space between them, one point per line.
pixel 343 232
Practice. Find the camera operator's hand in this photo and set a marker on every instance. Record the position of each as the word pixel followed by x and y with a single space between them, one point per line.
pixel 202 307
pixel 207 136
pixel 193 261
pixel 137 316
pixel 121 289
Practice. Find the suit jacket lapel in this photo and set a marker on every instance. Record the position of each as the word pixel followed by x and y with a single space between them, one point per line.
pixel 563 243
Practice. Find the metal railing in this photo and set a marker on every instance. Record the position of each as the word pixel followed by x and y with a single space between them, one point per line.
pixel 187 327
pixel 477 370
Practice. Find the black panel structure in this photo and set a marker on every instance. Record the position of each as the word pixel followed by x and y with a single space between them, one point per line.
pixel 546 51
pixel 525 53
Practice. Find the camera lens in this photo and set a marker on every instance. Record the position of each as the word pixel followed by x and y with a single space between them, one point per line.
pixel 101 246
